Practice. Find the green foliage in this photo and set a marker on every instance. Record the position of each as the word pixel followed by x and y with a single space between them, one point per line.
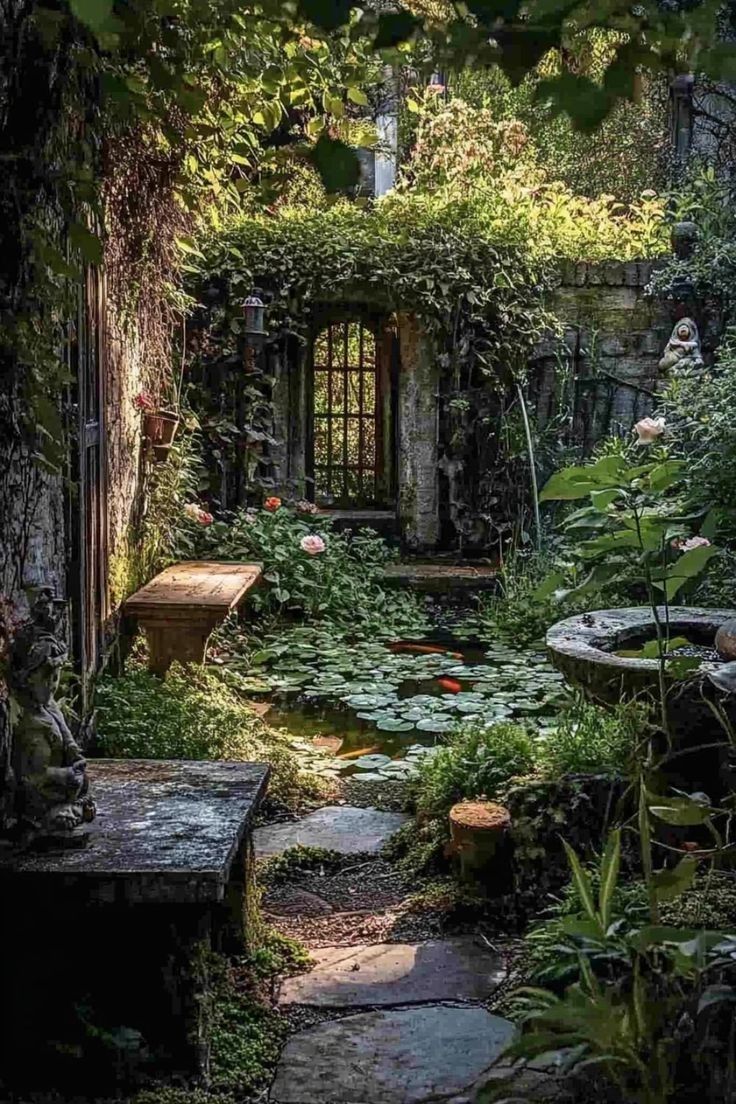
pixel 190 714
pixel 164 534
pixel 246 1035
pixel 590 739
pixel 298 860
pixel 340 584
pixel 458 147
pixel 477 762
pixel 637 983
pixel 623 157
pixel 635 527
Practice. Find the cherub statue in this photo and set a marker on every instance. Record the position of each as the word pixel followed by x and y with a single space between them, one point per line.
pixel 683 347
pixel 51 787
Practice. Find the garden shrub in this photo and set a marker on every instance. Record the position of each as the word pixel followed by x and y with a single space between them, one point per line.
pixel 311 570
pixel 191 714
pixel 592 739
pixel 477 762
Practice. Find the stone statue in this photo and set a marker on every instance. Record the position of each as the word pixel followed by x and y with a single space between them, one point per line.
pixel 683 347
pixel 49 769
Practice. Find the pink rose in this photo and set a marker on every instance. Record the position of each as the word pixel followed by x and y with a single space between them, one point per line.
pixel 144 401
pixel 683 544
pixel 648 429
pixel 312 544
pixel 305 507
pixel 195 512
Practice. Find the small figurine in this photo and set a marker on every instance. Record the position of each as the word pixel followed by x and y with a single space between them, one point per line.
pixel 683 347
pixel 49 769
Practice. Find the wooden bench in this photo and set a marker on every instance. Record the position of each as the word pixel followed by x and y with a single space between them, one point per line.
pixel 181 606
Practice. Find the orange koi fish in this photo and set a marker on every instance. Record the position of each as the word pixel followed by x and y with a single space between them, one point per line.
pixel 424 649
pixel 450 684
pixel 360 751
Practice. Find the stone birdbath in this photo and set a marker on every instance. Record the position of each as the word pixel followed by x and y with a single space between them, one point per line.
pixel 586 648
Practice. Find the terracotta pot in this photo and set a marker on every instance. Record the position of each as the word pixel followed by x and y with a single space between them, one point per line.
pixel 160 428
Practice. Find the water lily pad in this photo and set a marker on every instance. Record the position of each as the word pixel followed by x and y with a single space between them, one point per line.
pixel 434 724
pixel 368 701
pixel 370 762
pixel 394 724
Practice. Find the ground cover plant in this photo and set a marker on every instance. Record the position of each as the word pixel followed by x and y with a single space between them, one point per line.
pixel 192 714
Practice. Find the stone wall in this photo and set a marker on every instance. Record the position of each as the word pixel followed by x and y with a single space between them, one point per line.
pixel 602 370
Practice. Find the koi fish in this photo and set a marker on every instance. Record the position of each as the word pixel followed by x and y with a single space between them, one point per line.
pixel 425 649
pixel 450 684
pixel 360 751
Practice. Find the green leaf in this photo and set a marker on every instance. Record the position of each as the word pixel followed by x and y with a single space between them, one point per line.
pixel 548 586
pixel 665 475
pixel 357 96
pixel 88 244
pixel 336 163
pixel 93 13
pixel 582 884
pixel 687 566
pixel 680 810
pixel 609 876
pixel 669 884
pixel 602 499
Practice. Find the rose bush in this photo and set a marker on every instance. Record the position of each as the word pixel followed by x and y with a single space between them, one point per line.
pixel 310 569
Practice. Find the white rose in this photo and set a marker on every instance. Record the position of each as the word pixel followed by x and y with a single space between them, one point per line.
pixel 648 429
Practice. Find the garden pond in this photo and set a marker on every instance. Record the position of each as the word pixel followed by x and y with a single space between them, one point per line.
pixel 377 707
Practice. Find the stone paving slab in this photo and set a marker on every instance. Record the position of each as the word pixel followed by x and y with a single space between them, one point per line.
pixel 408 1056
pixel 340 828
pixel 396 973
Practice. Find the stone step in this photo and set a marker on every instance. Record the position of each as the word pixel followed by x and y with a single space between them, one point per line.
pixel 343 828
pixel 396 973
pixel 395 1056
pixel 441 578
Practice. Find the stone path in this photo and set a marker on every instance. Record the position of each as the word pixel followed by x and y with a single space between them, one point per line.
pixel 407 1026
pixel 398 1056
pixel 342 828
pixel 396 973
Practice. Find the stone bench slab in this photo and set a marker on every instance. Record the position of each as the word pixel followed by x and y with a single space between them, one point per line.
pixel 166 832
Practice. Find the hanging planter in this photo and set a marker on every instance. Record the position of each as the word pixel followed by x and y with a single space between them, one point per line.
pixel 159 430
pixel 158 427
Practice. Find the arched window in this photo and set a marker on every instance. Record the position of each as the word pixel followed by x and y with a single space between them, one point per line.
pixel 347 429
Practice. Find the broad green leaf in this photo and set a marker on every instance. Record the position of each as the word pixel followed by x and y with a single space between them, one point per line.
pixel 609 542
pixel 602 499
pixel 687 566
pixel 357 96
pixel 666 475
pixel 669 884
pixel 548 586
pixel 680 810
pixel 716 994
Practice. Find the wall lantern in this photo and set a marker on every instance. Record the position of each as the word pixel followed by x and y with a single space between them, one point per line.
pixel 254 313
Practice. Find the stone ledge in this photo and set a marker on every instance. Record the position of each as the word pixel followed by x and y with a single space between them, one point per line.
pixel 167 832
pixel 579 274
